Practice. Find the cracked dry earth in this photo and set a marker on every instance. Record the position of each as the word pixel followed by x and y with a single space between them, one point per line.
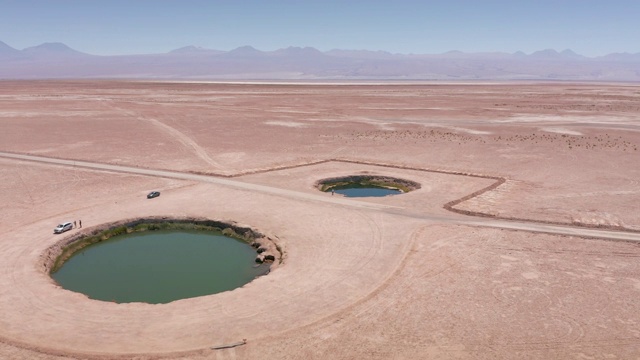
pixel 396 277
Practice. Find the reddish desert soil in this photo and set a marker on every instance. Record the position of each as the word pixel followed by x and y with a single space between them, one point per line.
pixel 381 278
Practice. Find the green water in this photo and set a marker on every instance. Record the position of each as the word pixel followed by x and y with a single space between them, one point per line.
pixel 160 267
pixel 357 190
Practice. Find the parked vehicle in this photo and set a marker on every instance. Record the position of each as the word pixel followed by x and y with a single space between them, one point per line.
pixel 153 194
pixel 63 227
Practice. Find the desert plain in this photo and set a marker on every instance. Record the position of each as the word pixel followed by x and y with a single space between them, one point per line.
pixel 522 242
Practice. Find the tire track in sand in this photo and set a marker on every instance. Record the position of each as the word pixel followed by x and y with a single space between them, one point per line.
pixel 173 133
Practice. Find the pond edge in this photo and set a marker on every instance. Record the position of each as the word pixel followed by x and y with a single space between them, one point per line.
pixel 268 249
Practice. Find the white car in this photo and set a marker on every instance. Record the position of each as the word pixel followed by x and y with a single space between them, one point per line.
pixel 63 227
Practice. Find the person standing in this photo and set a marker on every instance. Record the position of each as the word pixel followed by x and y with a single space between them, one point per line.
pixel 74 224
pixel 80 223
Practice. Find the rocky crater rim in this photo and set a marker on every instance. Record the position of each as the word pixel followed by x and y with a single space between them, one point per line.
pixel 268 250
pixel 367 180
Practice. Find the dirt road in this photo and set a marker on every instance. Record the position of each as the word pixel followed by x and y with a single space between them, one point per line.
pixel 435 218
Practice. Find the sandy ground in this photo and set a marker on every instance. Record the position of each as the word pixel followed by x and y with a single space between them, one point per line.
pixel 360 278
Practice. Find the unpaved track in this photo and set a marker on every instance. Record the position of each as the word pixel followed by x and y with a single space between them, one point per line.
pixel 452 219
pixel 185 140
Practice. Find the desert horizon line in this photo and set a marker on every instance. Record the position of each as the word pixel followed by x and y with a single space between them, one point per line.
pixel 61 46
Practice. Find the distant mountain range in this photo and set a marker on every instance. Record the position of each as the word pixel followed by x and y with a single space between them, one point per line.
pixel 57 60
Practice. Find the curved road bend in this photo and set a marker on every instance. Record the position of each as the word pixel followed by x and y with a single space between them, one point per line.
pixel 452 219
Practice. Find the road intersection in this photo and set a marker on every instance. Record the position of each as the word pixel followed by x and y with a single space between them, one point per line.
pixel 522 225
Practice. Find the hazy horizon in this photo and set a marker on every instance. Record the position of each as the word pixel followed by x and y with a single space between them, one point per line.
pixel 118 27
pixel 55 44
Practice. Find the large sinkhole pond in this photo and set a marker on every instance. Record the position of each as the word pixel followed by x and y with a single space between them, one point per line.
pixel 160 266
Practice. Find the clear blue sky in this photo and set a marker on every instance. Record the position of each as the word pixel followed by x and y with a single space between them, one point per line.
pixel 113 27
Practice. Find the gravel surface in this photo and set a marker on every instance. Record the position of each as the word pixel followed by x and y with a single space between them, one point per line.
pixel 395 277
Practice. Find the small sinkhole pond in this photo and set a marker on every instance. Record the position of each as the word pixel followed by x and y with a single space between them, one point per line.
pixel 160 266
pixel 357 190
pixel 367 185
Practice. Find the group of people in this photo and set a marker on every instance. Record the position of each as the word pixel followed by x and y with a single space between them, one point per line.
pixel 76 225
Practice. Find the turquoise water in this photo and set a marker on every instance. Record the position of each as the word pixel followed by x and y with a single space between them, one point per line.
pixel 160 267
pixel 355 190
